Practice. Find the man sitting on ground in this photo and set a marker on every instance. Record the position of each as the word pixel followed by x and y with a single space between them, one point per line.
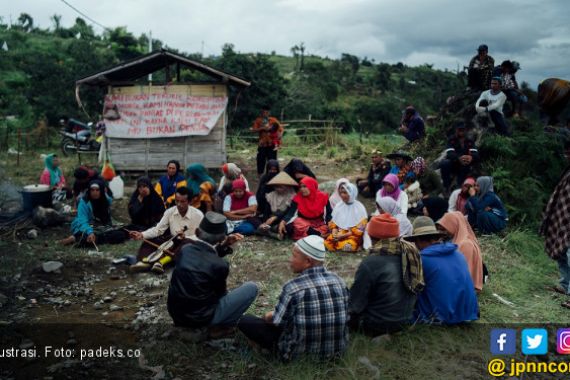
pixel 412 125
pixel 312 312
pixel 378 169
pixel 481 69
pixel 181 220
pixel 490 104
pixel 197 296
pixel 461 158
pixel 449 296
pixel 383 296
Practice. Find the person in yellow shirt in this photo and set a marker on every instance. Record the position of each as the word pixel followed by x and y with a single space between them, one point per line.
pixel 167 184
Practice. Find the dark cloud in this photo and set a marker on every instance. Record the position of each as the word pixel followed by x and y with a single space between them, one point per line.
pixel 441 32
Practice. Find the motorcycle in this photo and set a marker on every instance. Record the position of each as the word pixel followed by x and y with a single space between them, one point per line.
pixel 76 137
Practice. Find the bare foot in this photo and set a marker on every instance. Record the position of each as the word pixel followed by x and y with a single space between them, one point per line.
pixel 67 241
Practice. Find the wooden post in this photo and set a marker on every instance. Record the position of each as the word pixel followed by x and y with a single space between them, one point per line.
pixel 18 147
pixel 177 72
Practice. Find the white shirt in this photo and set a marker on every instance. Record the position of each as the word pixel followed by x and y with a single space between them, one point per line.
pixel 453 200
pixel 175 222
pixel 495 101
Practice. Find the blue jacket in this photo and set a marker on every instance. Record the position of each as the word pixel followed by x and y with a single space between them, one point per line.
pixel 475 205
pixel 84 219
pixel 449 295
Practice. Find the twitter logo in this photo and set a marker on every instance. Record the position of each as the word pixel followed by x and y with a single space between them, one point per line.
pixel 534 341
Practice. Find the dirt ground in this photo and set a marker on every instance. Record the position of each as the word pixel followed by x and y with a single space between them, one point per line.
pixel 91 303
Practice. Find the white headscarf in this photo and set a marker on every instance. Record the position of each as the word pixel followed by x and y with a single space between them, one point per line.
pixel 334 199
pixel 389 205
pixel 348 215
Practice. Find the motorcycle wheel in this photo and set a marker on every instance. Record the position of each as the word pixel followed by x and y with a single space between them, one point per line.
pixel 68 146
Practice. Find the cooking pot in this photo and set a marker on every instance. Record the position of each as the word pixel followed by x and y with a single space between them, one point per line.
pixel 36 195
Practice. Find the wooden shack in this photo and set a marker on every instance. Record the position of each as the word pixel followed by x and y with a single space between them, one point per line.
pixel 149 123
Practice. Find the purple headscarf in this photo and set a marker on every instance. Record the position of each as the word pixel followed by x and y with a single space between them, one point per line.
pixel 393 180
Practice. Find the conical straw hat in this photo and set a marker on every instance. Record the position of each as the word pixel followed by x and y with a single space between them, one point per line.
pixel 282 179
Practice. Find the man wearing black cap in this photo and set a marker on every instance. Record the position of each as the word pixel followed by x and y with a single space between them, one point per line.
pixel 412 125
pixel 197 296
pixel 461 157
pixel 481 69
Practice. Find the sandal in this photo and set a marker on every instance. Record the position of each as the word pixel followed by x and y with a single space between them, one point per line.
pixel 557 289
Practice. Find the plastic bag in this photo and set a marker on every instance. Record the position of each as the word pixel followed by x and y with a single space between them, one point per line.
pixel 108 171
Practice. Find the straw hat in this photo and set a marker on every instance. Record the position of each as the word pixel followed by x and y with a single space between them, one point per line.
pixel 424 226
pixel 283 179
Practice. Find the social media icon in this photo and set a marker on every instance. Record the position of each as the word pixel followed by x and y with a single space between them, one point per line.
pixel 503 341
pixel 563 341
pixel 534 341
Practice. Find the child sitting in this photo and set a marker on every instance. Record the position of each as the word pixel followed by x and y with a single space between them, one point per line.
pixel 413 190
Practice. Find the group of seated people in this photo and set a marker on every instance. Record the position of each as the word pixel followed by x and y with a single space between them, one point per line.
pixel 428 271
pixel 417 279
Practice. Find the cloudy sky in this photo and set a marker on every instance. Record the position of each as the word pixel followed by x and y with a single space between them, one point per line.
pixel 445 33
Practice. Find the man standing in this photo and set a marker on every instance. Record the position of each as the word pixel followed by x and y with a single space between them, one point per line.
pixel 310 317
pixel 490 103
pixel 555 228
pixel 481 69
pixel 197 296
pixel 412 125
pixel 461 157
pixel 449 295
pixel 383 296
pixel 266 125
pixel 181 220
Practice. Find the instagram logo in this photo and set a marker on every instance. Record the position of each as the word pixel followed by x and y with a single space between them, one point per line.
pixel 563 341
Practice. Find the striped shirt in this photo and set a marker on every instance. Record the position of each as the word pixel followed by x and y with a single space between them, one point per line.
pixel 313 311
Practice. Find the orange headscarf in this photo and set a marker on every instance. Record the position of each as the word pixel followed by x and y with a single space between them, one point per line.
pixel 456 224
pixel 313 205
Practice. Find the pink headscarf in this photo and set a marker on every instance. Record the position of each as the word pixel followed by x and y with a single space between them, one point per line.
pixel 393 180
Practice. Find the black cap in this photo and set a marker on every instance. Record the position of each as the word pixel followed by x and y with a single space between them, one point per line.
pixel 460 126
pixel 214 223
pixel 483 47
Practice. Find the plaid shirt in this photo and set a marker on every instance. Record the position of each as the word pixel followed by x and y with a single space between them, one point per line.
pixel 313 311
pixel 556 221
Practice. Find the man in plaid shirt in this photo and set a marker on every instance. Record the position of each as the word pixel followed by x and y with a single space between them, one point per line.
pixel 311 315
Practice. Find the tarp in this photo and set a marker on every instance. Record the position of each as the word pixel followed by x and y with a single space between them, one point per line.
pixel 161 115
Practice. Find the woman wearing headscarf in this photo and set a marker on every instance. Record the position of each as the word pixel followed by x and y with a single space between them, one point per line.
pixel 458 198
pixel 281 190
pixel 348 221
pixel 455 225
pixel 312 208
pixel 435 208
pixel 53 177
pixel 230 172
pixel 168 183
pixel 298 170
pixel 202 187
pixel 335 197
pixel 271 170
pixel 485 210
pixel 389 206
pixel 93 224
pixel 430 182
pixel 240 207
pixel 391 188
pixel 146 207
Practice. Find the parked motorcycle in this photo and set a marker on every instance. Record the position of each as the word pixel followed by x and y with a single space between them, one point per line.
pixel 76 136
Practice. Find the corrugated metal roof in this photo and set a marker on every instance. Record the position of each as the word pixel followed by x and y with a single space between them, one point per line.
pixel 139 67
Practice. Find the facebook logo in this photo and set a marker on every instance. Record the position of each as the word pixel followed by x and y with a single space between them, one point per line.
pixel 503 341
